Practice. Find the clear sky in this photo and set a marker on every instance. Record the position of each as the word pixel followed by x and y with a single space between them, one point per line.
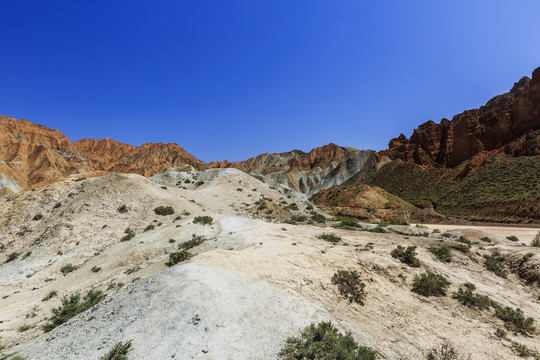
pixel 233 79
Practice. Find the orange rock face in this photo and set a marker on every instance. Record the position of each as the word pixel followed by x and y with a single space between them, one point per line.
pixel 32 154
pixel 494 126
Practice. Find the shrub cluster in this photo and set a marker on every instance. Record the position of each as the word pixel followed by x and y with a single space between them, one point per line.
pixel 324 341
pixel 406 256
pixel 164 210
pixel 515 320
pixel 350 286
pixel 196 240
pixel 495 264
pixel 73 305
pixel 130 234
pixel 430 284
pixel 118 352
pixel 467 297
pixel 442 253
pixel 329 237
pixel 203 220
pixel 177 257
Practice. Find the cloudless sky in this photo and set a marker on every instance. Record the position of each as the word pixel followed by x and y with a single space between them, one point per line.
pixel 237 78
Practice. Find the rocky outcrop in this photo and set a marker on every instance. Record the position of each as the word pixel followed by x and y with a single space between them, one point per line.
pixel 32 154
pixel 311 172
pixel 502 120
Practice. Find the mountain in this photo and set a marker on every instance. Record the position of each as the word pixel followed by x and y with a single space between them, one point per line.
pixel 32 154
pixel 483 165
pixel 308 173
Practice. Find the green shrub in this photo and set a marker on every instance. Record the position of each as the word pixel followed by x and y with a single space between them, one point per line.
pixel 536 241
pixel 118 352
pixel 96 269
pixel 445 351
pixel 350 285
pixel 430 284
pixel 495 264
pixel 298 218
pixel 73 305
pixel 203 220
pixel 406 256
pixel 50 295
pixel 515 320
pixel 179 256
pixel 467 297
pixel 12 356
pixel 376 229
pixel 464 240
pixel 164 210
pixel 38 217
pixel 512 238
pixel 464 248
pixel 329 237
pixel 149 227
pixel 66 269
pixel 291 206
pixel 486 239
pixel 12 256
pixel 347 224
pixel 442 253
pixel 196 240
pixel 318 218
pixel 323 341
pixel 122 209
pixel 130 234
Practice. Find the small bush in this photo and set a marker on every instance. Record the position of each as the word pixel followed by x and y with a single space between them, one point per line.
pixel 442 253
pixel 464 240
pixel 96 269
pixel 12 256
pixel 324 341
pixel 464 248
pixel 512 238
pixel 130 234
pixel 515 320
pixel 57 205
pixel 318 218
pixel 149 227
pixel 71 306
pixel 291 206
pixel 329 237
pixel 376 229
pixel 122 209
pixel 38 217
pixel 131 270
pixel 406 256
pixel 495 264
pixel 430 284
pixel 66 269
pixel 196 240
pixel 164 210
pixel 350 286
pixel 486 239
pixel 50 295
pixel 536 240
pixel 203 220
pixel 467 297
pixel 118 352
pixel 347 224
pixel 445 351
pixel 179 256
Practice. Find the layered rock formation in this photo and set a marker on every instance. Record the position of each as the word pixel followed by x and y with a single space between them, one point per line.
pixel 32 154
pixel 311 172
pixel 504 119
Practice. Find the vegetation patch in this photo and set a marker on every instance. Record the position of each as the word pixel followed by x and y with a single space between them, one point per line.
pixel 203 220
pixel 177 257
pixel 430 284
pixel 66 269
pixel 196 240
pixel 350 286
pixel 118 352
pixel 406 256
pixel 130 234
pixel 515 320
pixel 164 210
pixel 329 237
pixel 445 351
pixel 495 264
pixel 512 238
pixel 442 253
pixel 50 295
pixel 73 305
pixel 149 227
pixel 324 341
pixel 468 297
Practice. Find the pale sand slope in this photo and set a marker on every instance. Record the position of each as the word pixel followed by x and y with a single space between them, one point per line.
pixel 252 284
pixel 524 235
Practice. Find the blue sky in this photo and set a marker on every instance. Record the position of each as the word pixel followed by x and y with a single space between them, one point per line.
pixel 233 79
